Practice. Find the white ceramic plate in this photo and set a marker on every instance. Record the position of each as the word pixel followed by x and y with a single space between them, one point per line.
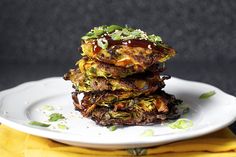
pixel 34 101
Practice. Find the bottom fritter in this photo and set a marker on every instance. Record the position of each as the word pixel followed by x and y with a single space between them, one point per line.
pixel 148 110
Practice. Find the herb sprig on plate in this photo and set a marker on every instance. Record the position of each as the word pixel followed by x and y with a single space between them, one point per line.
pixel 36 123
pixel 207 95
pixel 55 117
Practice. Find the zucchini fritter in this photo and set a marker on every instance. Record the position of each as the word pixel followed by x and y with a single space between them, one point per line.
pixel 94 68
pixel 137 111
pixel 105 98
pixel 138 58
pixel 137 83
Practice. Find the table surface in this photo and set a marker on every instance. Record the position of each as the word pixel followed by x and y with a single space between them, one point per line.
pixel 219 74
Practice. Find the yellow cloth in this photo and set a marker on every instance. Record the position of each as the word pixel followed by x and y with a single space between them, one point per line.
pixel 18 144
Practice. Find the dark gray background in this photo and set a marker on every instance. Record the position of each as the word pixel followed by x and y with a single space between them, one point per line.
pixel 39 39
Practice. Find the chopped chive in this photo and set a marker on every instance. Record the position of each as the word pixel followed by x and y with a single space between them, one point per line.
pixel 103 43
pixel 112 28
pixel 55 117
pixel 98 31
pixel 153 38
pixel 39 124
pixel 62 126
pixel 136 33
pixel 148 132
pixel 116 35
pixel 117 32
pixel 112 128
pixel 90 34
pixel 207 95
pixel 89 37
pixel 126 32
pixel 182 123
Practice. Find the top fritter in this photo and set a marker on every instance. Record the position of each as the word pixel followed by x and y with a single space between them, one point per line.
pixel 125 47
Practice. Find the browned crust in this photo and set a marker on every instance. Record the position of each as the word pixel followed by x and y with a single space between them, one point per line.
pixel 126 56
pixel 137 83
pixel 164 109
pixel 94 68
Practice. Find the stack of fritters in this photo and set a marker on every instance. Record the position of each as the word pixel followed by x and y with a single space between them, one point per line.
pixel 119 77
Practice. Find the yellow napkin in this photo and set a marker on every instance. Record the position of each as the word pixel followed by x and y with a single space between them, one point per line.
pixel 18 144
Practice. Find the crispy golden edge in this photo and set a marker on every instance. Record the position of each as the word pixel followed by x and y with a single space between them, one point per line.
pixel 125 56
pixel 137 83
pixel 156 104
pixel 94 68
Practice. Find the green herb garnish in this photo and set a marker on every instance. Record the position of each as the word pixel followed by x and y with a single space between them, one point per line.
pixel 62 126
pixel 148 132
pixel 112 128
pixel 153 38
pixel 103 43
pixel 117 32
pixel 89 35
pixel 207 95
pixel 98 31
pixel 39 124
pixel 55 117
pixel 112 28
pixel 126 32
pixel 182 123
pixel 116 35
